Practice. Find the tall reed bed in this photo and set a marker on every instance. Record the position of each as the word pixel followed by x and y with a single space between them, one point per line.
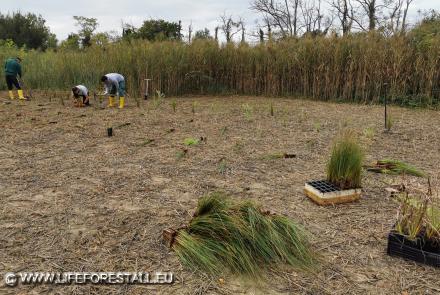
pixel 352 68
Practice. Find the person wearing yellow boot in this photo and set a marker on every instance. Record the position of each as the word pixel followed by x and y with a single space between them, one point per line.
pixel 114 85
pixel 12 70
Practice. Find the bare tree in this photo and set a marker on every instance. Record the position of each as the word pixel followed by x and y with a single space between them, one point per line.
pixel 405 15
pixel 280 14
pixel 229 27
pixel 344 12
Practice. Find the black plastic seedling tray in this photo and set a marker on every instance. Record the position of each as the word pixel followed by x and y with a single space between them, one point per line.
pixel 399 245
pixel 324 186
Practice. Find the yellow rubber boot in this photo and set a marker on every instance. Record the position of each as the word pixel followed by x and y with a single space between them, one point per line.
pixel 11 94
pixel 121 102
pixel 111 102
pixel 20 94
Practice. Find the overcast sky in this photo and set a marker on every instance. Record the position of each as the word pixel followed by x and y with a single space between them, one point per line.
pixel 111 13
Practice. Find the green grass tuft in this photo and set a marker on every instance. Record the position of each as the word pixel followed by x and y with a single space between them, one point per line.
pixel 345 166
pixel 239 238
pixel 191 141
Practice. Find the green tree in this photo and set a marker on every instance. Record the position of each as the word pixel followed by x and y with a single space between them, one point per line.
pixel 202 35
pixel 26 30
pixel 159 30
pixel 52 41
pixel 72 42
pixel 427 30
pixel 87 26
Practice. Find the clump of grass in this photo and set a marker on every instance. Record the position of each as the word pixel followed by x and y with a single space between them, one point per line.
pixel 369 132
pixel 158 99
pixel 345 166
pixel 395 167
pixel 191 141
pixel 174 105
pixel 389 123
pixel 223 130
pixel 222 166
pixel 247 111
pixel 241 239
pixel 317 126
pixel 193 107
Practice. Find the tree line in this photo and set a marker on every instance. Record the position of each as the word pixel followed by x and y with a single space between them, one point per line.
pixel 279 19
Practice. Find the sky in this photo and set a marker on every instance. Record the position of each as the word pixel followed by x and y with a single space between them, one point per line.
pixel 111 13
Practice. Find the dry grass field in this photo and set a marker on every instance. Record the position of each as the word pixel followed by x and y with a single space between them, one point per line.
pixel 73 199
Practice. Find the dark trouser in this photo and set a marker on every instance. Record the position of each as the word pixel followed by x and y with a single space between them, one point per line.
pixel 12 81
pixel 84 98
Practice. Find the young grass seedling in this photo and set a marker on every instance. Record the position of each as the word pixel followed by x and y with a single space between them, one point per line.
pixel 222 167
pixel 174 105
pixel 247 111
pixel 191 141
pixel 390 123
pixel 369 132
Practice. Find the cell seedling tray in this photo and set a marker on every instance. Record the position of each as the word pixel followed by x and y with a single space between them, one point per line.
pixel 399 245
pixel 324 193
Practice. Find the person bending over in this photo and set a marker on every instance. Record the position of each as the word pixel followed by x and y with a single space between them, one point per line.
pixel 114 85
pixel 81 95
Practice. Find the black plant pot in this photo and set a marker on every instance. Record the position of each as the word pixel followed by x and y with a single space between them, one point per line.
pixel 418 250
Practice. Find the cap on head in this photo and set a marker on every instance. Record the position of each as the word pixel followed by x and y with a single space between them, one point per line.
pixel 104 78
pixel 74 89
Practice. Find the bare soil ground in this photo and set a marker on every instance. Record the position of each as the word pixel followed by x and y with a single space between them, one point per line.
pixel 73 199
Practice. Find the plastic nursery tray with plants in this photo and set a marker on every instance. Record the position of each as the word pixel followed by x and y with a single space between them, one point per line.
pixel 344 172
pixel 416 235
pixel 227 237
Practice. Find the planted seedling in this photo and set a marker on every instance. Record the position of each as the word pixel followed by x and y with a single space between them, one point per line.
pixel 317 126
pixel 369 132
pixel 158 99
pixel 222 166
pixel 191 141
pixel 223 130
pixel 174 105
pixel 271 109
pixel 193 107
pixel 389 123
pixel 247 111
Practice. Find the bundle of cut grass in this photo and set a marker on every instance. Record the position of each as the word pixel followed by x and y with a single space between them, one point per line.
pixel 395 167
pixel 345 166
pixel 239 238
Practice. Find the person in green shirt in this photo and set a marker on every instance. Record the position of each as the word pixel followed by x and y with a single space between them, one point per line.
pixel 12 70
